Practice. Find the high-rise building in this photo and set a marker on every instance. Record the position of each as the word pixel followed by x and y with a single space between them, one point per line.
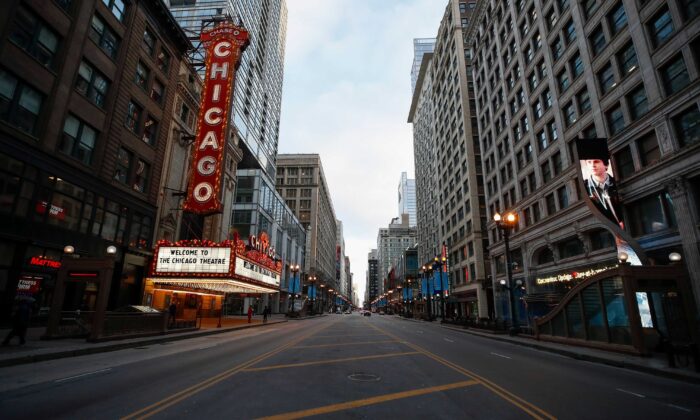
pixel 447 153
pixel 257 95
pixel 550 72
pixel 87 91
pixel 300 180
pixel 407 198
pixel 372 289
pixel 391 241
pixel 340 272
pixel 421 46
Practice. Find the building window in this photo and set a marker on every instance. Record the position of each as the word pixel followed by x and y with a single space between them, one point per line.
pixel 624 163
pixel 570 32
pixel 103 36
pixel 546 172
pixel 92 84
pixel 637 102
pixel 617 19
pixel 163 61
pixel 563 79
pixel 689 8
pixel 576 65
pixel 661 27
pixel 149 41
pixel 569 114
pixel 563 197
pixel 157 91
pixel 601 239
pixel 150 131
pixel 117 7
pixel 557 163
pixel 305 204
pixel 652 214
pixel 545 256
pixel 124 160
pixel 616 121
pixel 141 174
pixel 133 117
pixel 589 7
pixel 551 204
pixel 627 59
pixel 687 126
pixel 675 75
pixel 589 132
pixel 584 101
pixel 606 79
pixel 34 36
pixel 78 140
pixel 547 99
pixel 542 142
pixel 597 40
pixel 20 104
pixel 570 248
pixel 649 152
pixel 557 49
pixel 141 77
pixel 553 136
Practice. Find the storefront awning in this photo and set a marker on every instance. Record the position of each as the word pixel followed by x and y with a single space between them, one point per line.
pixel 221 285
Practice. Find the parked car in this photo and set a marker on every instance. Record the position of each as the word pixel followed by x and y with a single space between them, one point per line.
pixel 367 313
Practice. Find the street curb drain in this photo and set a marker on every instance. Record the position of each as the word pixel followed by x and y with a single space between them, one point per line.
pixel 364 377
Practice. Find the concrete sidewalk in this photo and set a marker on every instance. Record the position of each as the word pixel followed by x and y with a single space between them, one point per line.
pixel 35 349
pixel 653 365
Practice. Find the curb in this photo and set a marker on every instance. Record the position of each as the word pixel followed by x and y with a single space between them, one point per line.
pixel 33 358
pixel 585 357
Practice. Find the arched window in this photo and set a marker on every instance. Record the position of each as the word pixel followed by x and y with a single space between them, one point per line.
pixel 545 256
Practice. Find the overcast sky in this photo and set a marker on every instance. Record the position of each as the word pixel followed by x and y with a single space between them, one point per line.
pixel 347 93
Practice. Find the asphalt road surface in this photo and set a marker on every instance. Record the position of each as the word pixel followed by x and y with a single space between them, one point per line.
pixel 338 366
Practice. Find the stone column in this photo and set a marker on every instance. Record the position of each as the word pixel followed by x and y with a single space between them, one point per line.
pixel 687 229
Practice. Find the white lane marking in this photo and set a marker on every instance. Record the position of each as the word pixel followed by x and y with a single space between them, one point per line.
pixel 631 393
pixel 447 339
pixel 84 374
pixel 419 331
pixel 500 355
pixel 680 408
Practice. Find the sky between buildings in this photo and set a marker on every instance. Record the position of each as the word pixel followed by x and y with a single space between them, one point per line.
pixel 347 93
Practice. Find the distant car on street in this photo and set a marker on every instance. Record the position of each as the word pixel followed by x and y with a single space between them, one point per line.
pixel 367 313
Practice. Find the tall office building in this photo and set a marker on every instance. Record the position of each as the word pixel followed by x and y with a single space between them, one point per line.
pixel 391 242
pixel 340 273
pixel 257 95
pixel 407 198
pixel 372 289
pixel 549 72
pixel 448 157
pixel 300 180
pixel 421 46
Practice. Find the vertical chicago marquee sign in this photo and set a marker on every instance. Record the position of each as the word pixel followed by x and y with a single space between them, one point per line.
pixel 224 45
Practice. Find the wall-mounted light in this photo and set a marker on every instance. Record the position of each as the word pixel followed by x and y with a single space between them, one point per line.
pixel 622 256
pixel 68 249
pixel 675 257
pixel 111 250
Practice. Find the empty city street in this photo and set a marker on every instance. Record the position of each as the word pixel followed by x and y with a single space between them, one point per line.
pixel 347 366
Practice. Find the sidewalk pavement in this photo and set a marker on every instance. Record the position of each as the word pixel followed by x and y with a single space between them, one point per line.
pixel 35 349
pixel 657 365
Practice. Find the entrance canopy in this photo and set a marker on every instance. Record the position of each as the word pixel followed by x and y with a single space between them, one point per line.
pixel 219 285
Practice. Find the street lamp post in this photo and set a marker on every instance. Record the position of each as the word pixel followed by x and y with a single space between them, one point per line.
pixel 439 263
pixel 295 272
pixel 428 271
pixel 505 225
pixel 323 298
pixel 312 281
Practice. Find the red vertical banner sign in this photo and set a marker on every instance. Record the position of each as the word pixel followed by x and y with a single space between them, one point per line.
pixel 224 45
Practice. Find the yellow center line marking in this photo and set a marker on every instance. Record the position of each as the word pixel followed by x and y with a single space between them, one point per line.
pixel 326 362
pixel 348 335
pixel 368 401
pixel 346 344
pixel 524 405
pixel 161 405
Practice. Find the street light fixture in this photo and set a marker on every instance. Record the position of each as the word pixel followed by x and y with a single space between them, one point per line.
pixel 439 263
pixel 312 280
pixel 505 225
pixel 427 271
pixel 295 271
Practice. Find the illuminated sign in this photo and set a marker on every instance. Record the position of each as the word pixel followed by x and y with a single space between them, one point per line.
pixel 54 211
pixel 575 275
pixel 28 285
pixel 257 272
pixel 224 45
pixel 261 244
pixel 202 260
pixel 44 262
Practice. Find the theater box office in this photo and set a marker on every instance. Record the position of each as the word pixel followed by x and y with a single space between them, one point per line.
pixel 197 275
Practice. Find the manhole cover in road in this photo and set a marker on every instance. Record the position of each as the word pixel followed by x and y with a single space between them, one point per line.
pixel 364 377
